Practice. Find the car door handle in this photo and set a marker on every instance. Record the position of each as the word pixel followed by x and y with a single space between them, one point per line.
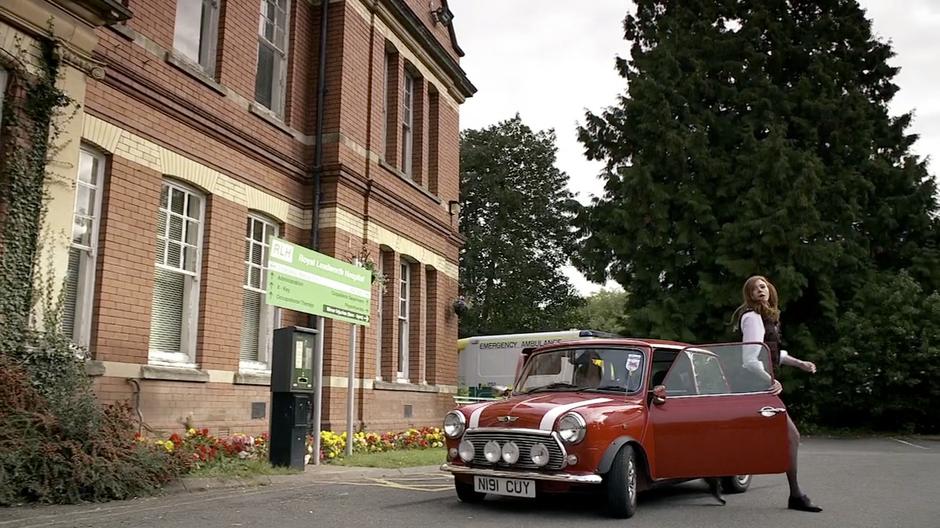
pixel 770 411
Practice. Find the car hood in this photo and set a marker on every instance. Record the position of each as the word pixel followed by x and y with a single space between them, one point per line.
pixel 540 411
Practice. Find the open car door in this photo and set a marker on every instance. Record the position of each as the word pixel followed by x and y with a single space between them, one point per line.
pixel 718 417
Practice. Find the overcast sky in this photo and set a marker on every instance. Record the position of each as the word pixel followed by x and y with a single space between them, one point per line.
pixel 550 60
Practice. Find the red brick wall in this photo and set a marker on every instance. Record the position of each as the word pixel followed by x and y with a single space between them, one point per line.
pixel 168 406
pixel 126 258
pixel 147 96
pixel 220 287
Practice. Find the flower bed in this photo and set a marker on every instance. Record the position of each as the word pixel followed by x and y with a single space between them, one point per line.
pixel 333 446
pixel 197 448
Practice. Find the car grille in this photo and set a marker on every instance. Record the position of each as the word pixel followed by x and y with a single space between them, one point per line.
pixel 524 440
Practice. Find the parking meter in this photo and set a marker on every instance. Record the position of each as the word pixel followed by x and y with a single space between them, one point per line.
pixel 292 385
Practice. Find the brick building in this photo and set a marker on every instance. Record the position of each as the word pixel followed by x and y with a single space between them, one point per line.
pixel 208 133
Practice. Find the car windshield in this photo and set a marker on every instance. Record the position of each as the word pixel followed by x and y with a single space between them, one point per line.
pixel 583 369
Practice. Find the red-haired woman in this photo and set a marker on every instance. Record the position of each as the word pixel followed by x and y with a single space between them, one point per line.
pixel 759 320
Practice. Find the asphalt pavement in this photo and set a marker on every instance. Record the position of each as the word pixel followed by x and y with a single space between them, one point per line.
pixel 872 482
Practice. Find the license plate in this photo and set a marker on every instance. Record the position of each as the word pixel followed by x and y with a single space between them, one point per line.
pixel 504 486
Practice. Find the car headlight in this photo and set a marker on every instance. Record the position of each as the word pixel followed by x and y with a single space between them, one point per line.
pixel 454 424
pixel 492 452
pixel 539 454
pixel 466 451
pixel 571 428
pixel 510 453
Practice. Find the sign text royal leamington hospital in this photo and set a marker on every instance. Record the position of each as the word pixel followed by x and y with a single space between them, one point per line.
pixel 304 280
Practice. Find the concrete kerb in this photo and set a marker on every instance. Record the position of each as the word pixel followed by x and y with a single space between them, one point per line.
pixel 321 473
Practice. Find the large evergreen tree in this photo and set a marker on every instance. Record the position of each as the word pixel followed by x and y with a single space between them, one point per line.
pixel 754 138
pixel 516 214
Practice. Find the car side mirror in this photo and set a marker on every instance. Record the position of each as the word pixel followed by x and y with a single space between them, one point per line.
pixel 658 395
pixel 502 392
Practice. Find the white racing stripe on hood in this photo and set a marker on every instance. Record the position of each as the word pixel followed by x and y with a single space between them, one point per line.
pixel 475 416
pixel 548 421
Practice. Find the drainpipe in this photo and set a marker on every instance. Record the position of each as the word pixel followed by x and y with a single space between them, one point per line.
pixel 140 416
pixel 318 148
pixel 317 322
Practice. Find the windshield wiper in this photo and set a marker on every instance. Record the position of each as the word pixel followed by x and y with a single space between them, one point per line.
pixel 618 388
pixel 553 386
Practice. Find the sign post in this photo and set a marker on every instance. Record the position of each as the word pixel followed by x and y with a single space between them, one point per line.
pixel 307 281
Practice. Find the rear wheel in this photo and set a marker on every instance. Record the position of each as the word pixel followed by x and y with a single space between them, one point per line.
pixel 622 484
pixel 466 493
pixel 736 484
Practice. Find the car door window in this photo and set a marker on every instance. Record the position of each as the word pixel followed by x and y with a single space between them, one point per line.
pixel 680 380
pixel 733 368
pixel 709 377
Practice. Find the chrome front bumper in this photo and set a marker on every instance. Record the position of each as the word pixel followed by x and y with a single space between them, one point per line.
pixel 533 475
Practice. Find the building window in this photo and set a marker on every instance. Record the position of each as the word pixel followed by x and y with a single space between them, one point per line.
pixel 434 141
pixel 386 97
pixel 271 76
pixel 175 303
pixel 407 122
pixel 258 317
pixel 404 309
pixel 196 35
pixel 83 249
pixel 380 317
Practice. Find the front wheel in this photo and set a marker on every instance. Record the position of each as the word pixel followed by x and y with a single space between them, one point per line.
pixel 736 484
pixel 621 484
pixel 466 493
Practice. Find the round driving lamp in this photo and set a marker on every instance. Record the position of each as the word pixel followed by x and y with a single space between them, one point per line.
pixel 466 451
pixel 571 428
pixel 510 453
pixel 539 454
pixel 492 452
pixel 454 424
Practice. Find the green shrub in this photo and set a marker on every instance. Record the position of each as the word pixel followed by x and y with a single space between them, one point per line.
pixel 46 456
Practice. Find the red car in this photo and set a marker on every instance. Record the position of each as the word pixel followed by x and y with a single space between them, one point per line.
pixel 618 416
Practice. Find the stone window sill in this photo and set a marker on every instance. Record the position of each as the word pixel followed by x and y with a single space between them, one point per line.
pixel 404 387
pixel 403 176
pixel 270 117
pixel 253 378
pixel 93 367
pixel 195 71
pixel 155 372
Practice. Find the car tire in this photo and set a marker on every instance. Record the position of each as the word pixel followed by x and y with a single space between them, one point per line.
pixel 622 484
pixel 736 484
pixel 466 493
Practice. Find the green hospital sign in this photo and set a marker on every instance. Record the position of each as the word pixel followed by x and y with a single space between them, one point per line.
pixel 304 280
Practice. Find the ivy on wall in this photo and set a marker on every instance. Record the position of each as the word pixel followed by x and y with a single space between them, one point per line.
pixel 30 131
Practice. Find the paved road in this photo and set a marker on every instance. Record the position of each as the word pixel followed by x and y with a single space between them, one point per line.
pixel 883 482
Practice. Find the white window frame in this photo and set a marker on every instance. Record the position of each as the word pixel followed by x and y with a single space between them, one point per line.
pixel 279 90
pixel 269 317
pixel 186 357
pixel 208 38
pixel 407 123
pixel 404 309
pixel 84 298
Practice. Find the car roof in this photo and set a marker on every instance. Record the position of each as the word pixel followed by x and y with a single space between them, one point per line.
pixel 620 341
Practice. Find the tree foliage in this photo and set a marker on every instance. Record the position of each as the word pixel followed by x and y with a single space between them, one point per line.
pixel 604 311
pixel 516 215
pixel 755 138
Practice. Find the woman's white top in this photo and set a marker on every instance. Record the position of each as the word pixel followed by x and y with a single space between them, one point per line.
pixel 752 326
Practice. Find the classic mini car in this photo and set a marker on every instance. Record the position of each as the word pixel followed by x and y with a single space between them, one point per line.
pixel 618 416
